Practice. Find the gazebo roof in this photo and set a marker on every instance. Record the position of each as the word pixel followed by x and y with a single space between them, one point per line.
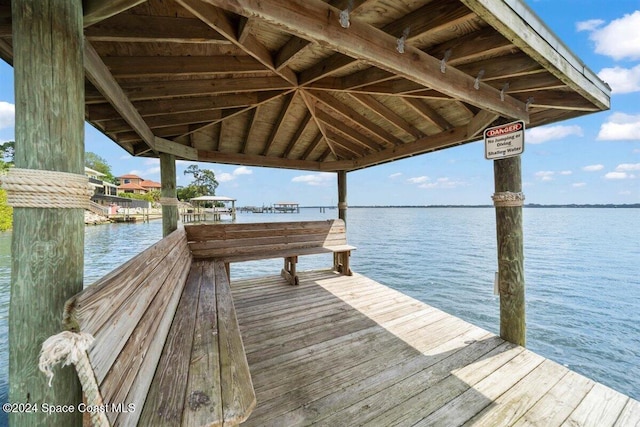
pixel 283 83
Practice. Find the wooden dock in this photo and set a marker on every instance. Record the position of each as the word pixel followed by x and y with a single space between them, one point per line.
pixel 348 351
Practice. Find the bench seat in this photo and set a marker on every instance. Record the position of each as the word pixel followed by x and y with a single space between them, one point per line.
pixel 254 241
pixel 202 377
pixel 167 340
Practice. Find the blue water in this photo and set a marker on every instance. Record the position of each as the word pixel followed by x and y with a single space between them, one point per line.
pixel 582 270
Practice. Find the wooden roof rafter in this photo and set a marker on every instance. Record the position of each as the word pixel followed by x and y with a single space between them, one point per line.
pixel 279 83
pixel 350 131
pixel 296 46
pixel 130 28
pixel 358 119
pixel 311 107
pixel 296 136
pixel 217 20
pixel 429 18
pixel 288 100
pixel 371 46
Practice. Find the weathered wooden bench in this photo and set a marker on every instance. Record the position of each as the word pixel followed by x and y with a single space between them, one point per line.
pixel 167 348
pixel 253 241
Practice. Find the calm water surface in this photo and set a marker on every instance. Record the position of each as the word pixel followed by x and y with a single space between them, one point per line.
pixel 582 271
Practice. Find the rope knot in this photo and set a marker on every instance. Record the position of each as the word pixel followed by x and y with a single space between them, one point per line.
pixel 66 348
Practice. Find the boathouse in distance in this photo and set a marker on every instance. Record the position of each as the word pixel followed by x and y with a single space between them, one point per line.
pixel 331 86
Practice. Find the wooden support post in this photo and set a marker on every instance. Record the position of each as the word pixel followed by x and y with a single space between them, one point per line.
pixel 48 243
pixel 342 196
pixel 508 200
pixel 168 193
pixel 289 270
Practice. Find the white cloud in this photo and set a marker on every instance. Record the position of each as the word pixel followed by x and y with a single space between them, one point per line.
pixel 622 80
pixel 589 25
pixel 545 175
pixel 441 183
pixel 565 172
pixel 579 184
pixel 618 39
pixel 426 182
pixel 7 115
pixel 151 161
pixel 625 167
pixel 620 127
pixel 395 175
pixel 549 133
pixel 315 179
pixel 242 170
pixel 593 168
pixel 418 179
pixel 618 175
pixel 225 177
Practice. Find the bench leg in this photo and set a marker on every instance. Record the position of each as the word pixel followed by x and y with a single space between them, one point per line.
pixel 341 262
pixel 289 270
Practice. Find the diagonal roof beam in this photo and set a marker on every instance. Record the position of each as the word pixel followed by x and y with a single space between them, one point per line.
pixel 387 114
pixel 216 19
pixel 431 17
pixel 294 139
pixel 101 78
pixel 428 113
pixel 316 20
pixel 350 131
pixel 321 128
pixel 161 107
pixel 129 28
pixel 314 144
pixel 288 101
pixel 98 10
pixel 353 116
pixel 297 46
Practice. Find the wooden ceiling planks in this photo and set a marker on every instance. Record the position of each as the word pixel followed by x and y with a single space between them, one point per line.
pixel 280 83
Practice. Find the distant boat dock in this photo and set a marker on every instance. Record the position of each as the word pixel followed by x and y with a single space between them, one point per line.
pixel 281 207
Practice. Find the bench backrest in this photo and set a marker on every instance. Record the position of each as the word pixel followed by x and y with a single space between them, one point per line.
pixel 228 241
pixel 129 313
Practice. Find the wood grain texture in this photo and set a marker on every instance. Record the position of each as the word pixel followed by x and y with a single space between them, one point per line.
pixel 203 398
pixel 47 244
pixel 245 242
pixel 166 397
pixel 340 350
pixel 238 396
pixel 508 177
pixel 168 181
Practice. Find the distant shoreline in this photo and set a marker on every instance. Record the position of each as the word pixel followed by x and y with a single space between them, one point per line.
pixel 529 205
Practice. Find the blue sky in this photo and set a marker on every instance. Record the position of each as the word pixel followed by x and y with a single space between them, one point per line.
pixel 594 159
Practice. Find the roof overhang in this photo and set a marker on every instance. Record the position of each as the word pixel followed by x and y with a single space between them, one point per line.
pixel 286 84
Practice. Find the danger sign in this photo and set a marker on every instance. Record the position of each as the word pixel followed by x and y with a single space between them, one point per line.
pixel 504 141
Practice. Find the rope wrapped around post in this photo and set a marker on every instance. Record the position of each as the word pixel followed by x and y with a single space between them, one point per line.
pixel 35 188
pixel 168 201
pixel 71 348
pixel 507 199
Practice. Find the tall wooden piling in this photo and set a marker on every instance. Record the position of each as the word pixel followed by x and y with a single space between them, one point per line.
pixel 168 193
pixel 342 195
pixel 508 200
pixel 48 243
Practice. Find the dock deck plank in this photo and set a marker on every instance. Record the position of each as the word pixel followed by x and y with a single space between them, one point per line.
pixel 346 350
